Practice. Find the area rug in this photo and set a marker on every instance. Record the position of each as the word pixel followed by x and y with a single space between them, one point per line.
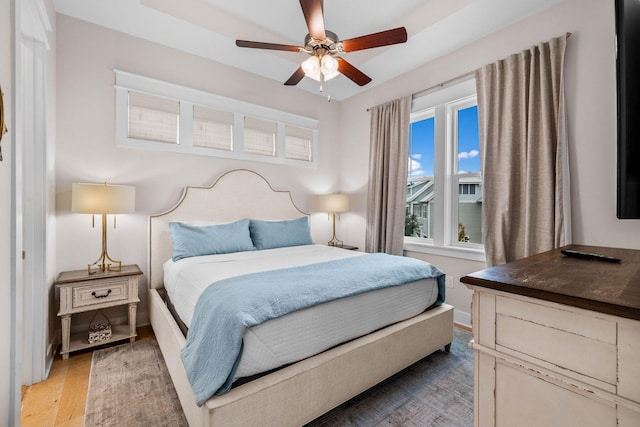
pixel 130 386
pixel 435 391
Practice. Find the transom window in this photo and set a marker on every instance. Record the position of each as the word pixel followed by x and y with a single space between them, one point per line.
pixel 160 116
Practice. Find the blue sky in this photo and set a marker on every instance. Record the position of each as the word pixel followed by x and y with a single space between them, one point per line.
pixel 422 140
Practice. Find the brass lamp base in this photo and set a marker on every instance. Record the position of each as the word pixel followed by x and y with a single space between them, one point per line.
pixel 101 265
pixel 334 240
pixel 104 263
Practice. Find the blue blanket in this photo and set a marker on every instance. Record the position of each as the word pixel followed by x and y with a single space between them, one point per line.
pixel 226 308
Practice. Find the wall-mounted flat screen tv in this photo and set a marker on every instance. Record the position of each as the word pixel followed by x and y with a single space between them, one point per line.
pixel 628 79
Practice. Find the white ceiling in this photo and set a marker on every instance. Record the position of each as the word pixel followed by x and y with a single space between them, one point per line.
pixel 209 28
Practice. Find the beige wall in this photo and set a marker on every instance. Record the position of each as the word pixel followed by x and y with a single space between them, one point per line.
pixel 591 109
pixel 86 151
pixel 6 62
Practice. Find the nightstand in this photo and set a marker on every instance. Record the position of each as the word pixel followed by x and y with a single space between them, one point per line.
pixel 81 292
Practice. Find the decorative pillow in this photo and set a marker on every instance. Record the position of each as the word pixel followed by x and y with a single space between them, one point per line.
pixel 190 240
pixel 278 234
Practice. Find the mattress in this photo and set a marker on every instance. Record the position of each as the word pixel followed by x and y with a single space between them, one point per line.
pixel 303 333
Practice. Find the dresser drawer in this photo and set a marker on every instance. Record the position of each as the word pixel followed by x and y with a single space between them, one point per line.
pixel 629 360
pixel 578 346
pixel 107 291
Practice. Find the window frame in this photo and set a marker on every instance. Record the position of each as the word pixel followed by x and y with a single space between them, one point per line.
pixel 188 98
pixel 445 102
pixel 426 114
pixel 452 173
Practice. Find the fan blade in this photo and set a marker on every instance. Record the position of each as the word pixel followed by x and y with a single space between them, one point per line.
pixel 295 77
pixel 312 10
pixel 271 46
pixel 383 38
pixel 353 73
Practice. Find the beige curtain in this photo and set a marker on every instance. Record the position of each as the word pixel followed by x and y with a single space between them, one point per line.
pixel 524 153
pixel 388 176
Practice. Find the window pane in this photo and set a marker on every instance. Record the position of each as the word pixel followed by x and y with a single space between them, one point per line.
pixel 470 212
pixel 259 137
pixel 420 183
pixel 470 198
pixel 153 118
pixel 298 143
pixel 212 128
pixel 468 141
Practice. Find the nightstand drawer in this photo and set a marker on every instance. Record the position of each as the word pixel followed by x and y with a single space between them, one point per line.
pixel 105 292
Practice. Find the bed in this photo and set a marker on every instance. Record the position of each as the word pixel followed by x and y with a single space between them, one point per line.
pixel 301 391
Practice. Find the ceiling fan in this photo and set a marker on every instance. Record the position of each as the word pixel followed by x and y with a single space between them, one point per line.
pixel 323 47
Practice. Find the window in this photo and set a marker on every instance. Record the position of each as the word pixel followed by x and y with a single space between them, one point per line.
pixel 153 118
pixel 420 189
pixel 212 128
pixel 298 143
pixel 259 137
pixel 467 173
pixel 444 187
pixel 160 116
pixel 467 189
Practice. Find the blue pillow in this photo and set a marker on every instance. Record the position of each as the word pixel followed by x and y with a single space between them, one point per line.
pixel 278 234
pixel 190 240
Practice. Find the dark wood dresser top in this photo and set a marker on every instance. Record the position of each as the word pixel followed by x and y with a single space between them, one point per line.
pixel 611 288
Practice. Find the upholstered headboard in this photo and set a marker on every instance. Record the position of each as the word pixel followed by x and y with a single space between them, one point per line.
pixel 234 195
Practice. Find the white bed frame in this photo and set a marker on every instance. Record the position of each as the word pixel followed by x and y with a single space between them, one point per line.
pixel 301 392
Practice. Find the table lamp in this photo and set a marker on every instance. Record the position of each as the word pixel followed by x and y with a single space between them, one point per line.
pixel 103 199
pixel 334 203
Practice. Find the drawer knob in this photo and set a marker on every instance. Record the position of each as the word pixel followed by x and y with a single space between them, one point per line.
pixel 101 296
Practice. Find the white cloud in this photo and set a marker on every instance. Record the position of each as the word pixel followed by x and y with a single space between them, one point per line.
pixel 468 154
pixel 414 165
pixel 416 156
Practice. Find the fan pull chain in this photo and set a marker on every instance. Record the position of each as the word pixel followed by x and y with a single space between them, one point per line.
pixel 328 89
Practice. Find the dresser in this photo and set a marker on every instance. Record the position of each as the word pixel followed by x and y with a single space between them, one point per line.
pixel 83 292
pixel 557 341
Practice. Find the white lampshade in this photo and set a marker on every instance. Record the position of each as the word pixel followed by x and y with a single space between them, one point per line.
pixel 333 202
pixel 329 67
pixel 102 198
pixel 313 67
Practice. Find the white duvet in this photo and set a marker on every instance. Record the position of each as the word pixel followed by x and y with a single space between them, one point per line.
pixel 303 333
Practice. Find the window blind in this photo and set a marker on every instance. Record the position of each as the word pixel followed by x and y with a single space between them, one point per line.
pixel 260 137
pixel 212 128
pixel 298 143
pixel 153 118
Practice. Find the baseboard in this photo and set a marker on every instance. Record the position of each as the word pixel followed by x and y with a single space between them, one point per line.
pixel 462 318
pixel 51 353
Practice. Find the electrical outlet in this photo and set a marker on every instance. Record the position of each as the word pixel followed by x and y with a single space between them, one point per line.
pixel 449 282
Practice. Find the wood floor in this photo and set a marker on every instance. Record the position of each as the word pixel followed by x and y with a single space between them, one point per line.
pixel 60 400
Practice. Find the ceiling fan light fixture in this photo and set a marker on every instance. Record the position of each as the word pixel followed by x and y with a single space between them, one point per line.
pixel 323 46
pixel 325 67
pixel 329 66
pixel 311 67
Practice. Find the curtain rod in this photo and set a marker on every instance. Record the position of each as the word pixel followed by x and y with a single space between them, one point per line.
pixel 448 82
pixel 461 77
pixel 439 85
